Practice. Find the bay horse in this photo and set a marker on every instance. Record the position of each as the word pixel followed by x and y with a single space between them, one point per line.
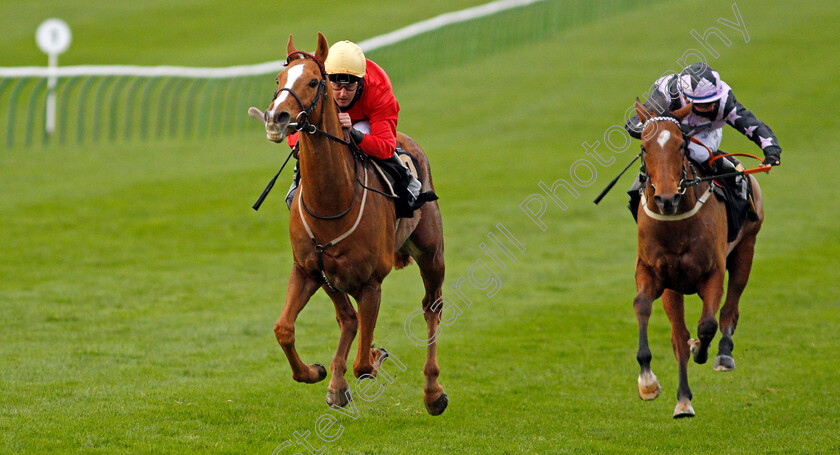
pixel 345 238
pixel 682 250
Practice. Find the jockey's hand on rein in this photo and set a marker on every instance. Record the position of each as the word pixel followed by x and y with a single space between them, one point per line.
pixel 772 159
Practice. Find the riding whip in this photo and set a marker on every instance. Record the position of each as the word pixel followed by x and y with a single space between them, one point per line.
pixel 270 185
pixel 615 180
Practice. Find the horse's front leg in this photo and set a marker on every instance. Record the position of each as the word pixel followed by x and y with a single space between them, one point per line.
pixel 711 292
pixel 367 298
pixel 648 291
pixel 300 290
pixel 675 309
pixel 338 393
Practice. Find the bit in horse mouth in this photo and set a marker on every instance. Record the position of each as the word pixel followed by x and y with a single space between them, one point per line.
pixel 275 137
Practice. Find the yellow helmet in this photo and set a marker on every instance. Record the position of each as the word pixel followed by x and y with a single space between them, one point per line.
pixel 346 57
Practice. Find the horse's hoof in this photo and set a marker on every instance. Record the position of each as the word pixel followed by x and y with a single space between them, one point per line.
pixel 724 363
pixel 322 372
pixel 314 373
pixel 694 345
pixel 697 353
pixel 648 386
pixel 383 354
pixel 339 398
pixel 683 409
pixel 437 407
pixel 379 357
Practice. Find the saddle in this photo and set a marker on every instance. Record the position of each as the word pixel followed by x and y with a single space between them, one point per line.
pixel 396 180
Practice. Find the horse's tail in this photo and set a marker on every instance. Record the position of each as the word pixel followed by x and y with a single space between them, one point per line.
pixel 401 260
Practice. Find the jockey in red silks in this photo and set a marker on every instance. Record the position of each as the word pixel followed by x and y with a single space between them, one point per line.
pixel 367 107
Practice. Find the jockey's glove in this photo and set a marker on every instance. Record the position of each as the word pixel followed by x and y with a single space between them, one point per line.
pixel 357 136
pixel 772 159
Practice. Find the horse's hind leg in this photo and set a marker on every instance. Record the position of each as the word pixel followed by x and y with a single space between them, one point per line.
pixel 300 290
pixel 643 304
pixel 338 393
pixel 427 241
pixel 432 272
pixel 674 307
pixel 739 264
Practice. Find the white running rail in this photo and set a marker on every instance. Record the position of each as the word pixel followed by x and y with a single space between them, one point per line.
pixel 267 67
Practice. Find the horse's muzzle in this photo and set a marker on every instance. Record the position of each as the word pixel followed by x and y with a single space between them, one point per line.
pixel 276 126
pixel 667 203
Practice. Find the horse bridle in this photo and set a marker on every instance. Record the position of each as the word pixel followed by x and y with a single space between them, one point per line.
pixel 684 181
pixel 302 120
pixel 303 124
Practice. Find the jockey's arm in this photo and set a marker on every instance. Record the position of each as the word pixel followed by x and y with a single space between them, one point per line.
pixel 658 102
pixel 745 121
pixel 382 140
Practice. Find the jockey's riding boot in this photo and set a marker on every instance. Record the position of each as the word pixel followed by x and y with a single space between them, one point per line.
pixel 415 198
pixel 635 193
pixel 739 183
pixel 290 196
pixel 739 186
pixel 411 183
pixel 724 165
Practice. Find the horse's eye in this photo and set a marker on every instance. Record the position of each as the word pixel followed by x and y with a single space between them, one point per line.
pixel 313 83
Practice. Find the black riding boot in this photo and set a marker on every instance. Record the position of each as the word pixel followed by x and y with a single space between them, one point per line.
pixel 414 198
pixel 737 189
pixel 290 196
pixel 635 193
pixel 738 184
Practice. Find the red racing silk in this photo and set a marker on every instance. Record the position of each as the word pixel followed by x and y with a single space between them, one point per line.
pixel 379 106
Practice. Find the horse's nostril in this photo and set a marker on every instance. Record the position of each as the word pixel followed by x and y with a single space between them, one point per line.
pixel 282 117
pixel 677 200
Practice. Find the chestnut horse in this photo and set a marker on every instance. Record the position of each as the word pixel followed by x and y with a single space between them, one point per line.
pixel 345 238
pixel 683 249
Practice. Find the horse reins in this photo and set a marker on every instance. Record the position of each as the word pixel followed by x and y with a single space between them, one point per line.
pixel 303 124
pixel 697 180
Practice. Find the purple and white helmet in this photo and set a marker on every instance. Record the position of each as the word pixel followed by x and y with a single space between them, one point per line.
pixel 699 83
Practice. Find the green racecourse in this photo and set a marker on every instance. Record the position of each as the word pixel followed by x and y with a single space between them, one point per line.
pixel 138 289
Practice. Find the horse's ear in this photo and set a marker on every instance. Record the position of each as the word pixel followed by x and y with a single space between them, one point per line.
pixel 291 46
pixel 682 112
pixel 323 48
pixel 644 114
